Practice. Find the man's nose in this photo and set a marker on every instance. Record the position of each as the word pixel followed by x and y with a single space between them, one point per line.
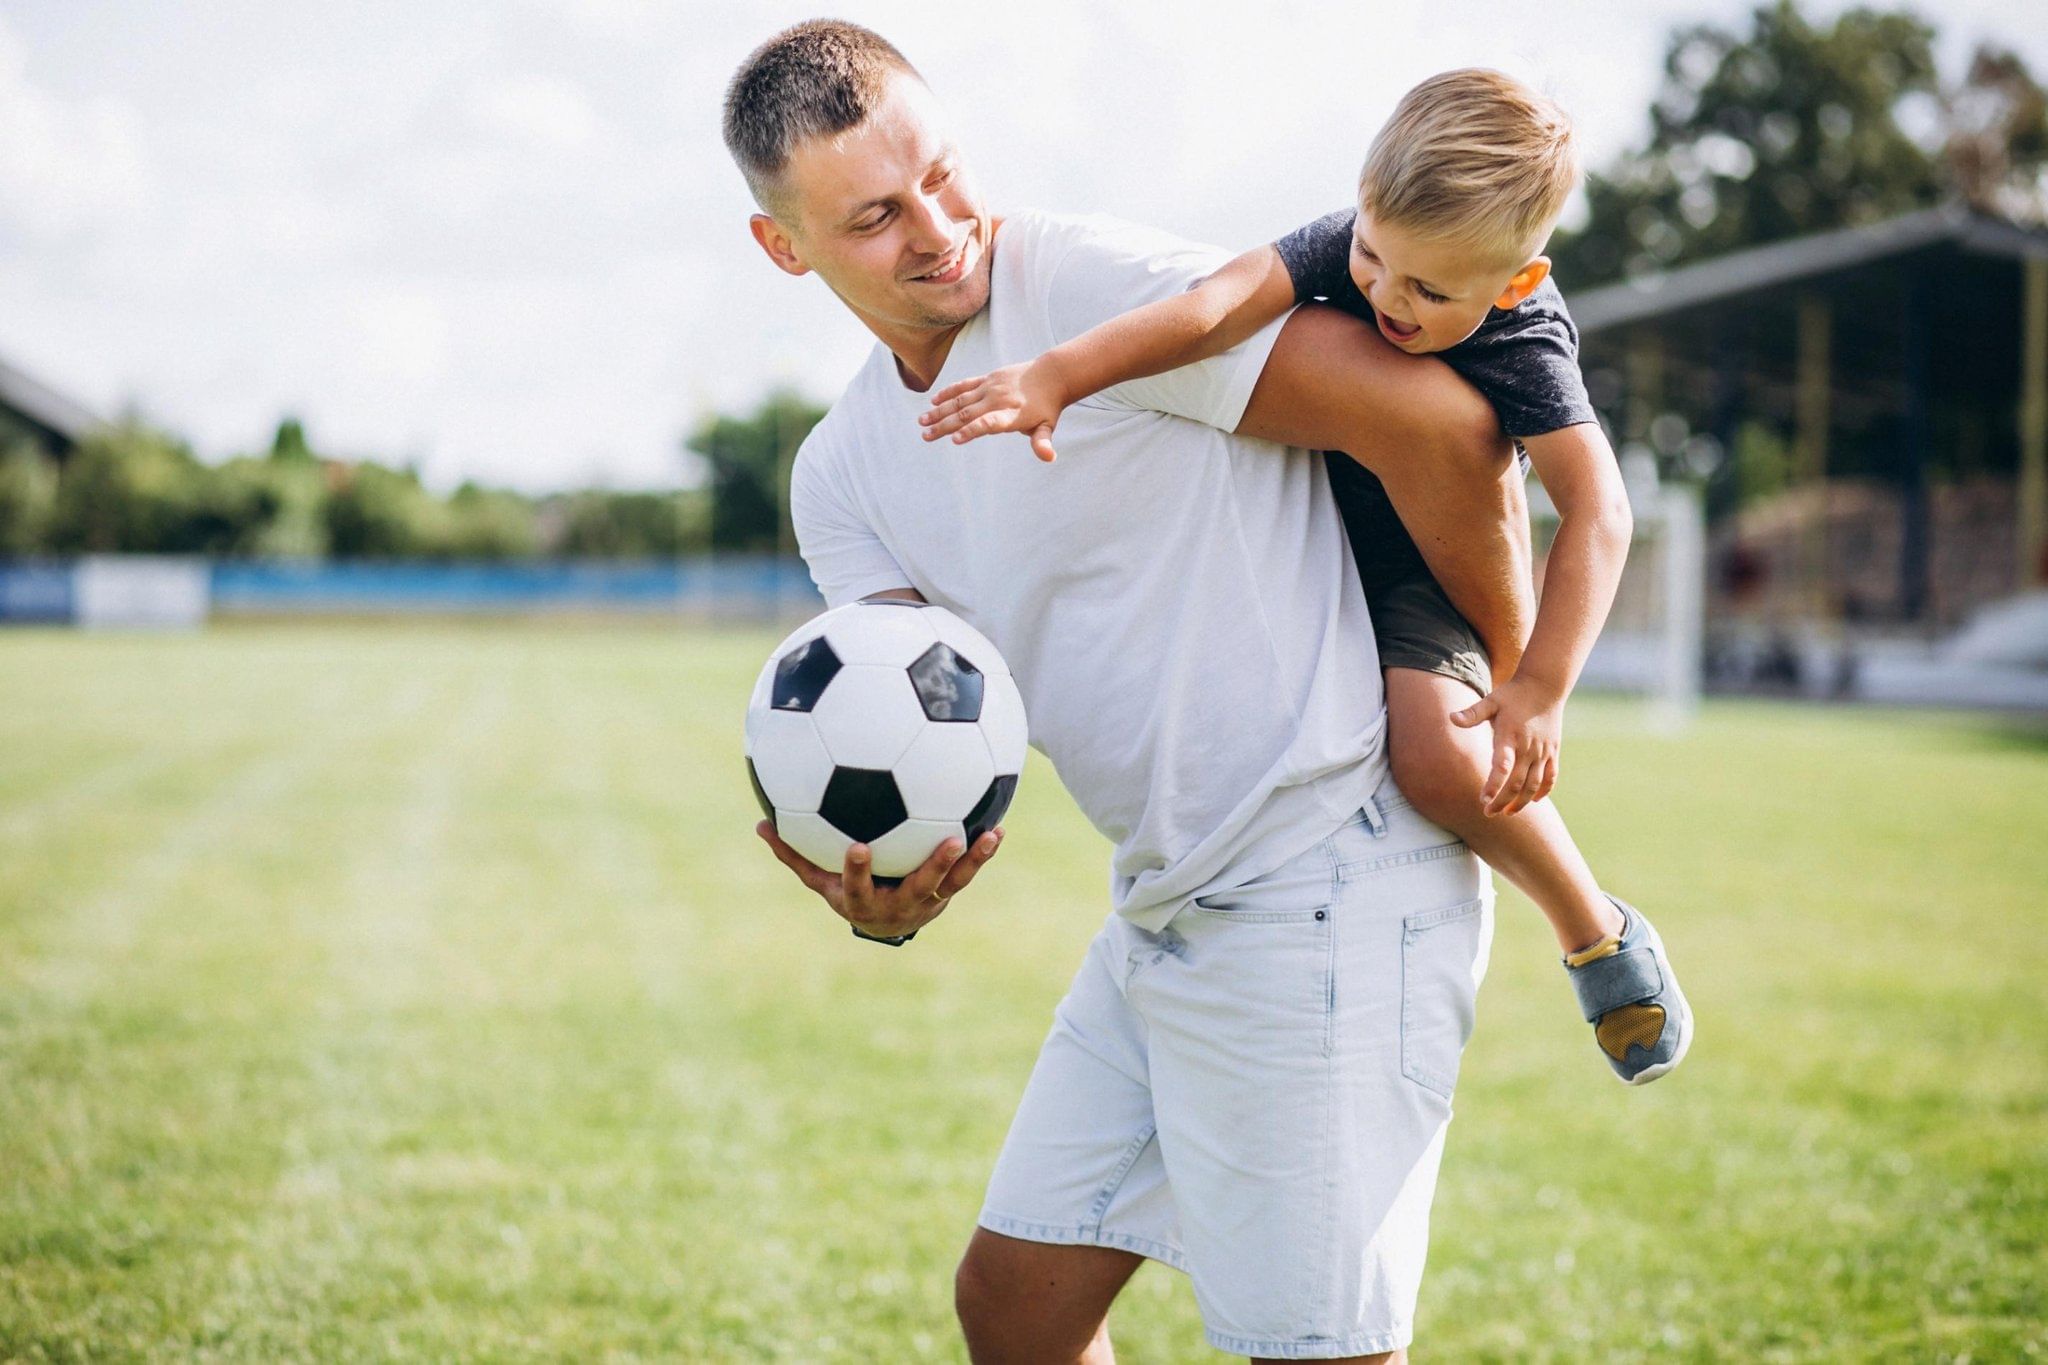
pixel 931 227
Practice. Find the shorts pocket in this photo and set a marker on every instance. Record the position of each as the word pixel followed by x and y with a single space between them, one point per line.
pixel 1443 957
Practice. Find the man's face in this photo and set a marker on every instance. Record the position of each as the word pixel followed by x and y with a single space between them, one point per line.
pixel 1430 295
pixel 887 216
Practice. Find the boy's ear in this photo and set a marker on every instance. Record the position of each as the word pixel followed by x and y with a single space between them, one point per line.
pixel 781 249
pixel 1524 283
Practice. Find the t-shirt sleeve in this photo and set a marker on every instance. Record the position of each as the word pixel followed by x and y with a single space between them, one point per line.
pixel 1318 255
pixel 1105 268
pixel 1528 368
pixel 846 559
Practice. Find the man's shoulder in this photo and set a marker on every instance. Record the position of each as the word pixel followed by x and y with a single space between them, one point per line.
pixel 1044 241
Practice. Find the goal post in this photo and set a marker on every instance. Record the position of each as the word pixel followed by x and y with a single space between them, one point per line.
pixel 1653 644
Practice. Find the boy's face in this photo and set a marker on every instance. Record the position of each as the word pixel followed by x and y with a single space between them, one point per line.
pixel 1431 294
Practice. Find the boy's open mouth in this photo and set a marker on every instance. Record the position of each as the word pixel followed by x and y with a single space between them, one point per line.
pixel 1396 332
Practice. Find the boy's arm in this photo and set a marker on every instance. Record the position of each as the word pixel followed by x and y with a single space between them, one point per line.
pixel 1207 320
pixel 1332 383
pixel 1580 473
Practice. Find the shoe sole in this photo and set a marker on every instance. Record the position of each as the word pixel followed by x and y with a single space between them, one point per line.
pixel 1651 1073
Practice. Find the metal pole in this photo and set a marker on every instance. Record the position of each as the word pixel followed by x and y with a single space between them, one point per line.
pixel 2033 499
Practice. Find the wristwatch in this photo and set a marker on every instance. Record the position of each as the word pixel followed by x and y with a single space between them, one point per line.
pixel 894 942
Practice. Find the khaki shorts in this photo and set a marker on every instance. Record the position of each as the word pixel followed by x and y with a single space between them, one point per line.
pixel 1417 627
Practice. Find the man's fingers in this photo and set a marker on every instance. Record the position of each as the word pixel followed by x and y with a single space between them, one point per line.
pixel 858 881
pixel 808 872
pixel 1041 443
pixel 925 882
pixel 969 863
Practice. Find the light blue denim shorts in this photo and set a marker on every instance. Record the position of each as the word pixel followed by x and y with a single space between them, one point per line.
pixel 1258 1093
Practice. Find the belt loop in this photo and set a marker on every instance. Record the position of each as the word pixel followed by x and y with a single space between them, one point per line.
pixel 1374 819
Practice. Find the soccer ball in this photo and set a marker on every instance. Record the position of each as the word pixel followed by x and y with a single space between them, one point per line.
pixel 889 723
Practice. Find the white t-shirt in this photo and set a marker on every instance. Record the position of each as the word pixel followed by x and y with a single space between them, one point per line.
pixel 1178 604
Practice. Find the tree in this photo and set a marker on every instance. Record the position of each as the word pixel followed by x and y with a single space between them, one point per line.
pixel 28 497
pixel 750 459
pixel 378 513
pixel 1795 127
pixel 129 488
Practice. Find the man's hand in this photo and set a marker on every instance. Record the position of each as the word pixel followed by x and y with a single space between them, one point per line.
pixel 1027 398
pixel 1528 732
pixel 888 911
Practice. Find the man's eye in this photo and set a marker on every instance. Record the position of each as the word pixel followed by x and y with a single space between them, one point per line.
pixel 871 224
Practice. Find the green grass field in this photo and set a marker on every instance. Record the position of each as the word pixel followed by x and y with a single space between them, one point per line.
pixel 421 992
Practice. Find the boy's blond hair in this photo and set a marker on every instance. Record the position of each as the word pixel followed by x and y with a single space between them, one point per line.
pixel 1476 158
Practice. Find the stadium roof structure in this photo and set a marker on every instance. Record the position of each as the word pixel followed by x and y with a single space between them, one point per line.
pixel 58 421
pixel 1911 351
pixel 1803 260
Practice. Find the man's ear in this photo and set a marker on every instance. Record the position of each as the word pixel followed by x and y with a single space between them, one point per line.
pixel 1524 283
pixel 776 241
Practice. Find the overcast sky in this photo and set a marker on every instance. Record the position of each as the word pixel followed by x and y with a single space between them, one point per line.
pixel 503 240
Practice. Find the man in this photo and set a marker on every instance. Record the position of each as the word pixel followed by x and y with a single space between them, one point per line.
pixel 1251 1075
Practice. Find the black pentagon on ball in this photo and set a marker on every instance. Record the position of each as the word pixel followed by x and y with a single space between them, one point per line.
pixel 801 675
pixel 863 803
pixel 948 687
pixel 989 811
pixel 754 780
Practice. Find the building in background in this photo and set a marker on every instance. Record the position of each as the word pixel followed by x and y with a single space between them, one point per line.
pixel 32 410
pixel 1867 410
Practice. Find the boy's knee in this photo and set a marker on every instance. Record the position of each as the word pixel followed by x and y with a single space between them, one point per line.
pixel 1441 778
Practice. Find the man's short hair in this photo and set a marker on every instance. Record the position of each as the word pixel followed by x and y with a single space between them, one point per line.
pixel 817 79
pixel 1476 158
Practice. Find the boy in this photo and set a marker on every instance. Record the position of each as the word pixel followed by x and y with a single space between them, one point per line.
pixel 1458 197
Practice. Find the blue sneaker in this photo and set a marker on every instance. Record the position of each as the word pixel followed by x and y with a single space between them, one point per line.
pixel 1630 996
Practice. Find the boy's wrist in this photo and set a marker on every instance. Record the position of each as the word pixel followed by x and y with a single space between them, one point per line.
pixel 1547 687
pixel 1050 374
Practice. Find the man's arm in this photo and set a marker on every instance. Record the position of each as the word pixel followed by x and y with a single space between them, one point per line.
pixel 1332 383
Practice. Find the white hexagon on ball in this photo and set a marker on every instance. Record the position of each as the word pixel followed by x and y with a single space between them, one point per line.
pixel 790 761
pixel 882 634
pixel 868 715
pixel 945 771
pixel 814 837
pixel 1002 723
pixel 904 849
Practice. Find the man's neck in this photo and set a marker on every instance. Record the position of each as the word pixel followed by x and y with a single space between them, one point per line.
pixel 920 355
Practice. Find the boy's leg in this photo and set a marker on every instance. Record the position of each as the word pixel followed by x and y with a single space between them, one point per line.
pixel 1441 768
pixel 1034 1301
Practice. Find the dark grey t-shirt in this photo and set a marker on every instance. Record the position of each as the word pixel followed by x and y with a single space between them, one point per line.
pixel 1525 359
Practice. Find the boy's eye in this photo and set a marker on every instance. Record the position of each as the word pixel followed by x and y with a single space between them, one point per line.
pixel 1430 294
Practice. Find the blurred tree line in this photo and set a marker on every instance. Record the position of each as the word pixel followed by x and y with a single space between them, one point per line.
pixel 1797 126
pixel 133 488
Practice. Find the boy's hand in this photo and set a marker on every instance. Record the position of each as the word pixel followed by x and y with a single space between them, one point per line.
pixel 1027 398
pixel 1528 731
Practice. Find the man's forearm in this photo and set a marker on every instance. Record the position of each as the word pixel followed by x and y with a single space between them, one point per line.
pixel 1332 383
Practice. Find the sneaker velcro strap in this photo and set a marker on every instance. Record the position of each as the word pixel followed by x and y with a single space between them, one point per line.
pixel 1628 977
